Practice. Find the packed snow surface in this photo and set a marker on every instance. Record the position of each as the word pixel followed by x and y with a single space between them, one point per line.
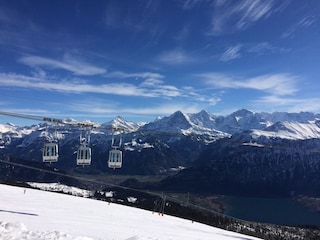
pixel 33 214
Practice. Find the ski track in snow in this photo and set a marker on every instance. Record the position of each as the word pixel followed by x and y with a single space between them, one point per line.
pixel 31 214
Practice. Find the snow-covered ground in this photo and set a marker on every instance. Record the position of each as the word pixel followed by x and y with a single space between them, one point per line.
pixel 57 187
pixel 33 214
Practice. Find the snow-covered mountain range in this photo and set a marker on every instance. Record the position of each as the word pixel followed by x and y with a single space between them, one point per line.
pixel 181 141
pixel 165 132
pixel 303 125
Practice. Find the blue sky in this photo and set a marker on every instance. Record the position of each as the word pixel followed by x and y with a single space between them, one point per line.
pixel 140 59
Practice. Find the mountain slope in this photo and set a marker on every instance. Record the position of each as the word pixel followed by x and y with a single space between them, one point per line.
pixel 34 214
pixel 284 169
pixel 291 130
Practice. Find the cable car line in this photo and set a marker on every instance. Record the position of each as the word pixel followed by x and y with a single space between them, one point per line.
pixel 50 151
pixel 48 119
pixel 31 117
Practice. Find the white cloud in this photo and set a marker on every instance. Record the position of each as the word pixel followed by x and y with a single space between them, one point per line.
pixel 231 53
pixel 265 47
pixel 280 101
pixel 276 84
pixel 150 82
pixel 150 88
pixel 166 90
pixel 67 63
pixel 174 57
pixel 114 109
pixel 289 104
pixel 201 95
pixel 78 86
pixel 212 101
pixel 119 74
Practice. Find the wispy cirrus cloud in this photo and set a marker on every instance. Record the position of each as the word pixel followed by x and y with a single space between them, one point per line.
pixel 265 47
pixel 229 16
pixel 231 53
pixel 275 84
pixel 241 50
pixel 302 23
pixel 189 4
pixel 68 63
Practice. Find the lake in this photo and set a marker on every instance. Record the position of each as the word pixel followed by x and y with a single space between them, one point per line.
pixel 271 210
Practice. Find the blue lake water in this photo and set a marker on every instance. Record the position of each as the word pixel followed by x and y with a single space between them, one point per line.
pixel 271 210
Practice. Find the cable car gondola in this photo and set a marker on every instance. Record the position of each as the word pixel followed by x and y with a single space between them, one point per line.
pixel 84 155
pixel 50 152
pixel 115 155
pixel 84 151
pixel 115 159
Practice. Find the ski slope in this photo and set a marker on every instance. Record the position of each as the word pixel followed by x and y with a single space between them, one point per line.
pixel 33 214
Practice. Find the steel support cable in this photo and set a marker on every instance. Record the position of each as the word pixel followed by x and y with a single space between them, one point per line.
pixel 48 119
pixel 32 117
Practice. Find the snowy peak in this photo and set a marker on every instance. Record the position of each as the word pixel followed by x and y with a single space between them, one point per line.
pixel 203 119
pixel 174 123
pixel 180 120
pixel 120 122
pixel 242 113
pixel 239 121
pixel 201 123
